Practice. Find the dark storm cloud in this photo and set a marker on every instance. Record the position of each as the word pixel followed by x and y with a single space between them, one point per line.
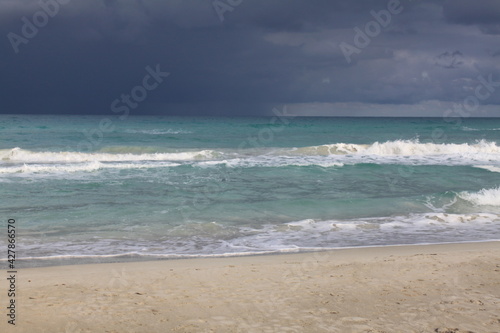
pixel 478 12
pixel 485 14
pixel 262 53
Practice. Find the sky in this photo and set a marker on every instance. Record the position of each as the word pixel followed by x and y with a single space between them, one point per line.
pixel 246 57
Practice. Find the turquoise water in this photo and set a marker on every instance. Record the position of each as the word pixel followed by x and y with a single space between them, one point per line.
pixel 95 188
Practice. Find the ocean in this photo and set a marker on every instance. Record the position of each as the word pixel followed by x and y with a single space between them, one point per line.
pixel 102 189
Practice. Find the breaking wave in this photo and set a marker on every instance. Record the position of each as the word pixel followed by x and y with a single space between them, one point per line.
pixel 81 167
pixel 401 148
pixel 18 155
pixel 485 197
pixel 491 168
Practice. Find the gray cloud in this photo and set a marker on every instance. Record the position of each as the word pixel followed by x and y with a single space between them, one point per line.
pixel 263 53
pixel 450 60
pixel 467 12
pixel 483 13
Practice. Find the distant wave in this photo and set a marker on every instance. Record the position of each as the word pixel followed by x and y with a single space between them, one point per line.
pixel 401 148
pixel 470 129
pixel 158 131
pixel 19 155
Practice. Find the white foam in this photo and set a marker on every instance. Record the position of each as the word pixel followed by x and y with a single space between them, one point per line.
pixel 275 161
pixel 470 129
pixel 491 168
pixel 410 224
pixel 324 164
pixel 335 155
pixel 51 168
pixel 401 148
pixel 85 167
pixel 158 131
pixel 215 239
pixel 331 149
pixel 485 197
pixel 19 155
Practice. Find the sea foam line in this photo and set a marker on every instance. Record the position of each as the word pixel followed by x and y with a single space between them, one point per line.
pixel 89 167
pixel 491 168
pixel 401 148
pixel 291 250
pixel 468 129
pixel 25 156
pixel 158 132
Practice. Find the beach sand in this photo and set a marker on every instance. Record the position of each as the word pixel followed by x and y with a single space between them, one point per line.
pixel 431 288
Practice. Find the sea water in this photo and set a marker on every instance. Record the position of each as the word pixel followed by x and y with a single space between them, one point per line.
pixel 87 189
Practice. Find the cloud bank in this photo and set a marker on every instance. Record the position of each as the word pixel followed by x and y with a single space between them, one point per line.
pixel 242 57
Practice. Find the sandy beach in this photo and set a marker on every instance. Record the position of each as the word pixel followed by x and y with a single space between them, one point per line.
pixel 451 288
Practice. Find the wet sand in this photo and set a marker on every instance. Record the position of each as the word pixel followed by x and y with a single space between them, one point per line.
pixel 450 288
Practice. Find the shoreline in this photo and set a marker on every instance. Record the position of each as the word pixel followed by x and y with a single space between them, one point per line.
pixel 76 260
pixel 407 288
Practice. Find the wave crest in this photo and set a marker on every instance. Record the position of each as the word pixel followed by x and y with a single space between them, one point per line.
pixel 485 197
pixel 401 148
pixel 491 168
pixel 86 167
pixel 19 155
